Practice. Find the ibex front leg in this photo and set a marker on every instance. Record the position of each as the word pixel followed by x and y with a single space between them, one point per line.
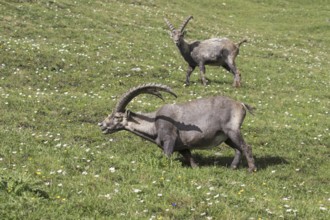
pixel 189 71
pixel 188 158
pixel 202 71
pixel 168 146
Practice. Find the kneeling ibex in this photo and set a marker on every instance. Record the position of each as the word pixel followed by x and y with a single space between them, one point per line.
pixel 202 123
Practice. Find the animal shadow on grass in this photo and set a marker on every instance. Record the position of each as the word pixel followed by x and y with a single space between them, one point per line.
pixel 218 81
pixel 225 161
pixel 211 81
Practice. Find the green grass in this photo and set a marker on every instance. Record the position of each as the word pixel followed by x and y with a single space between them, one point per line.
pixel 64 64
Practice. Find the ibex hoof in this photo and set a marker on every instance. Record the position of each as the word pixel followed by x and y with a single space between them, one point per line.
pixel 205 82
pixel 252 169
pixel 194 165
pixel 237 84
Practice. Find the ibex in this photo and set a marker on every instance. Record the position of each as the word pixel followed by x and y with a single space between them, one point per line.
pixel 214 51
pixel 202 123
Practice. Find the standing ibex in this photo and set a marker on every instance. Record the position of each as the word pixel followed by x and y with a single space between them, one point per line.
pixel 214 51
pixel 202 123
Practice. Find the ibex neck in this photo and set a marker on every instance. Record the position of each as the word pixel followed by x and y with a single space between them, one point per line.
pixel 185 51
pixel 143 125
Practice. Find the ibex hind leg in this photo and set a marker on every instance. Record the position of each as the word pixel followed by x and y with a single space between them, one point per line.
pixel 230 67
pixel 238 154
pixel 238 142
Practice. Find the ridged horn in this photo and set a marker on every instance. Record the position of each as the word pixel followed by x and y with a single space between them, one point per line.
pixel 169 24
pixel 150 88
pixel 185 23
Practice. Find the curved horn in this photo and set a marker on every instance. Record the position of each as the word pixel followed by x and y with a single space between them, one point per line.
pixel 169 24
pixel 150 88
pixel 185 23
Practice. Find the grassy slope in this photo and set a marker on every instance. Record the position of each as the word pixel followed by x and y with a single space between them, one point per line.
pixel 63 65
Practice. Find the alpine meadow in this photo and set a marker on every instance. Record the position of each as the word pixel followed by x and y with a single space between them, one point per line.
pixel 64 65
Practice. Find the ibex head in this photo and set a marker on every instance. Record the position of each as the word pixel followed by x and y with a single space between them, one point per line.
pixel 178 34
pixel 118 120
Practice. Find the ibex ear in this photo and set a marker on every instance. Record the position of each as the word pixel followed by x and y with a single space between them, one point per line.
pixel 127 113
